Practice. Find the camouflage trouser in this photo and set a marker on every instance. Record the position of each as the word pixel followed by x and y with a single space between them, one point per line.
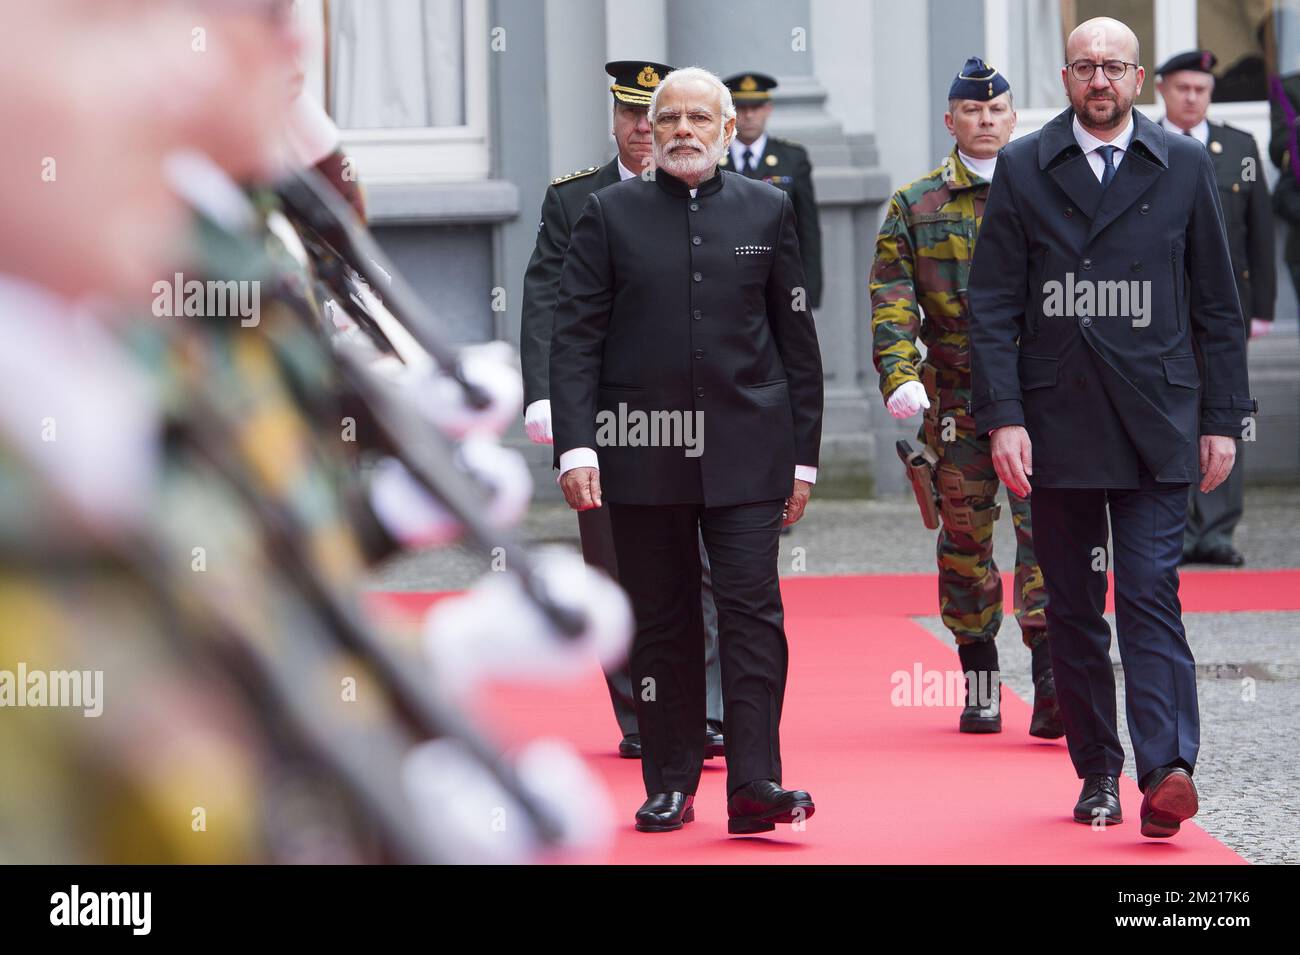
pixel 970 586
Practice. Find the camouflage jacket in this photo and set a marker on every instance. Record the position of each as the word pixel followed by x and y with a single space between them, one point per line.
pixel 923 259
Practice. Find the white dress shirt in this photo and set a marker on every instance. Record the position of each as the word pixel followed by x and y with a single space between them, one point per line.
pixel 1200 132
pixel 756 148
pixel 1089 143
pixel 624 173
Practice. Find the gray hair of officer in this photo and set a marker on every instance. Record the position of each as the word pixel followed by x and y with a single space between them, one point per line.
pixel 696 73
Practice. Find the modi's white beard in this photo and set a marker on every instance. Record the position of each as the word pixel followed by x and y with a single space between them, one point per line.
pixel 692 165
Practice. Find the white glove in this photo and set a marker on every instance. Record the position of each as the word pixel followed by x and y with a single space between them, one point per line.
pixel 466 816
pixel 1259 327
pixel 907 399
pixel 495 631
pixel 406 510
pixel 492 367
pixel 537 422
pixel 416 519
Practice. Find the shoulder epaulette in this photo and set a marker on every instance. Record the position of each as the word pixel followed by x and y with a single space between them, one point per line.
pixel 574 175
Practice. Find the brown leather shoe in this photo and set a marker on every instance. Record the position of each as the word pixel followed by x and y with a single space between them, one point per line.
pixel 1170 798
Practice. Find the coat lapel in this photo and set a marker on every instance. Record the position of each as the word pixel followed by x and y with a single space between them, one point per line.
pixel 1145 159
pixel 1079 182
pixel 1135 175
pixel 1062 159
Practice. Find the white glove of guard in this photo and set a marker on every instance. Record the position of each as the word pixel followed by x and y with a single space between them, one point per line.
pixel 537 422
pixel 907 399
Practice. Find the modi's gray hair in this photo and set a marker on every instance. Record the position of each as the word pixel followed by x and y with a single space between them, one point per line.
pixel 696 73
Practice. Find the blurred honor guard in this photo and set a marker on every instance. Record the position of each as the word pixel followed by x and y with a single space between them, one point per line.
pixel 1186 84
pixel 634 82
pixel 679 305
pixel 777 161
pixel 923 259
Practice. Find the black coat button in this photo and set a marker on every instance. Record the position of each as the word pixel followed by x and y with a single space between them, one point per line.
pixel 699 353
pixel 695 207
pixel 696 241
pixel 699 392
pixel 1087 264
pixel 697 314
pixel 1087 323
pixel 699 277
pixel 1136 266
pixel 1145 209
pixel 1068 212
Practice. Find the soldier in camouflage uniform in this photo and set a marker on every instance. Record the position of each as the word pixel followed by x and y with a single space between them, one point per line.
pixel 923 258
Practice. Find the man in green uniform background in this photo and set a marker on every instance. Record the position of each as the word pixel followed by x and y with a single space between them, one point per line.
pixel 923 258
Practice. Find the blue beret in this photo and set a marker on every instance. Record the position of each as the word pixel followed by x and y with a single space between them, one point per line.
pixel 978 80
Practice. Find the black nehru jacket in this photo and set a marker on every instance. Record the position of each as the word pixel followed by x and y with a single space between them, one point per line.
pixel 674 303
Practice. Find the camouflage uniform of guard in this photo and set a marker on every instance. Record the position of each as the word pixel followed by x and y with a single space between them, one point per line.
pixel 249 429
pixel 923 259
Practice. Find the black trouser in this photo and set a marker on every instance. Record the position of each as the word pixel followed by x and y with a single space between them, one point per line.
pixel 659 563
pixel 598 551
pixel 1146 527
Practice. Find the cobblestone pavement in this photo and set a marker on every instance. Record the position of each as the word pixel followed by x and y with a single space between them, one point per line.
pixel 1248 772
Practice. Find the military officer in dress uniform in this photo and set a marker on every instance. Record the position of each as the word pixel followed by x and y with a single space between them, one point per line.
pixel 777 161
pixel 634 82
pixel 1186 83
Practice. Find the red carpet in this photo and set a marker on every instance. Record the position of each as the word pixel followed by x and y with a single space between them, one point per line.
pixel 893 784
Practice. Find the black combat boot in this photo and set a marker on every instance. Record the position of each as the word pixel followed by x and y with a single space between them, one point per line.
pixel 1046 722
pixel 983 712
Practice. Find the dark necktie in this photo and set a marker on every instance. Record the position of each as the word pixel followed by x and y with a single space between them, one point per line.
pixel 1187 132
pixel 1108 170
pixel 748 161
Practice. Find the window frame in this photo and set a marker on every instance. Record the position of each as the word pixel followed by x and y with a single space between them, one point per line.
pixel 432 154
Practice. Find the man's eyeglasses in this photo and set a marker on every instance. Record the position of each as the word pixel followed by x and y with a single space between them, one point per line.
pixel 1083 70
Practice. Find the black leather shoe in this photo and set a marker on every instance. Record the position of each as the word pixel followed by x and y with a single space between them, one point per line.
pixel 760 805
pixel 1099 798
pixel 1225 556
pixel 665 812
pixel 983 711
pixel 1170 797
pixel 1046 722
pixel 629 747
pixel 715 743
